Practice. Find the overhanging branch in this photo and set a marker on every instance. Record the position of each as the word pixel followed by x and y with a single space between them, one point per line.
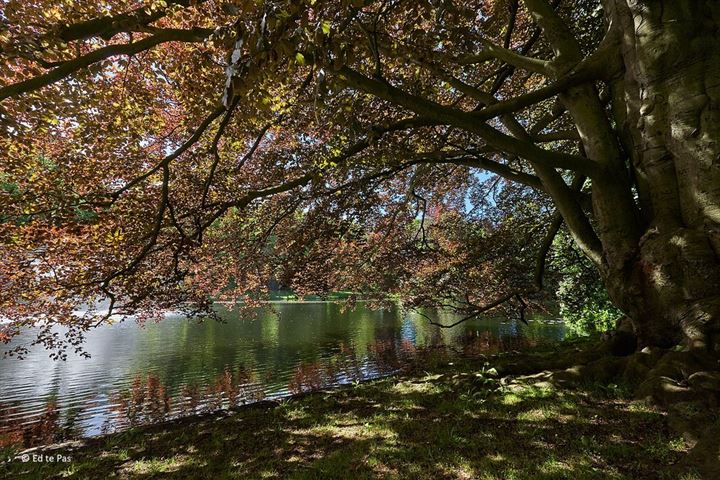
pixel 71 66
pixel 492 51
pixel 108 26
pixel 469 121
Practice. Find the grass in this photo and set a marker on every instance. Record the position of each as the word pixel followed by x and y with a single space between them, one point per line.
pixel 453 421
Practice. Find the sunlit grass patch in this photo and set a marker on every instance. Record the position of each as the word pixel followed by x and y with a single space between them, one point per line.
pixel 665 450
pixel 159 465
pixel 533 415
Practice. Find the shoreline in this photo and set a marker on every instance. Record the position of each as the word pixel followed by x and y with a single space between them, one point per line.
pixel 447 418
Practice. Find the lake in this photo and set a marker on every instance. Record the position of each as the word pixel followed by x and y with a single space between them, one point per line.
pixel 144 374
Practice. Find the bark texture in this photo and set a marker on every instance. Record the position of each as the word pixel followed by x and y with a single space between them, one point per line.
pixel 666 104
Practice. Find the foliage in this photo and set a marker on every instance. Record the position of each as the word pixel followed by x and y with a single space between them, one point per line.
pixel 588 312
pixel 155 150
pixel 582 297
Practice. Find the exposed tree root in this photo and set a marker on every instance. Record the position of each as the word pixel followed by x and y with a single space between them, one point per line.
pixel 685 383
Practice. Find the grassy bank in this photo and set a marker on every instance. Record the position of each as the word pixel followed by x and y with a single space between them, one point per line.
pixel 453 420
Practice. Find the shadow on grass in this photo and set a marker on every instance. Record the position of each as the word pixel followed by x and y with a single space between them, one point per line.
pixel 441 426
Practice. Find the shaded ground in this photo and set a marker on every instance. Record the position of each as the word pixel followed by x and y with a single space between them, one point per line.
pixel 456 420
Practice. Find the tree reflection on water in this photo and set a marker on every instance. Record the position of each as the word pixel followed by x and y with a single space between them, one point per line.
pixel 150 400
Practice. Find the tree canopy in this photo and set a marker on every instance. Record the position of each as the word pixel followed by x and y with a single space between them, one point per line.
pixel 163 153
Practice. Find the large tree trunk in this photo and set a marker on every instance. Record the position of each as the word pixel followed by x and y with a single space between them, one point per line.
pixel 666 105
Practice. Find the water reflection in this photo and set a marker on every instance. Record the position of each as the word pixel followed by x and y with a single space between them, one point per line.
pixel 179 367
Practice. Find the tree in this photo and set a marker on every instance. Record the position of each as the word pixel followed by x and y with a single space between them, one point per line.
pixel 155 148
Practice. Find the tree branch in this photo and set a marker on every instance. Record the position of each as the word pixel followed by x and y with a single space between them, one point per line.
pixel 214 149
pixel 467 121
pixel 492 51
pixel 68 68
pixel 538 274
pixel 559 135
pixel 108 26
pixel 199 131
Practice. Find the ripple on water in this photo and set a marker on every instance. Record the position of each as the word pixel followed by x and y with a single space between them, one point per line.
pixel 179 367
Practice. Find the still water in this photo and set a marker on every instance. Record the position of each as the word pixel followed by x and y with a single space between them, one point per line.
pixel 180 367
